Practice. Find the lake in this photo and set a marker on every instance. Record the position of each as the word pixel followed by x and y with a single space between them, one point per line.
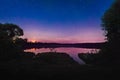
pixel 73 52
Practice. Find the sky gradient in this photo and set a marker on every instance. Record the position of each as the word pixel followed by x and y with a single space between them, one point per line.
pixel 61 21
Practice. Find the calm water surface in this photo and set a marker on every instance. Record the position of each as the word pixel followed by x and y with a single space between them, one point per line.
pixel 73 52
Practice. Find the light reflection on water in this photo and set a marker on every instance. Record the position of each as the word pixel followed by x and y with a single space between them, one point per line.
pixel 73 52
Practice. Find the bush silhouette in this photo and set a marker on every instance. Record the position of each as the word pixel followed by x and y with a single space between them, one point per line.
pixel 55 58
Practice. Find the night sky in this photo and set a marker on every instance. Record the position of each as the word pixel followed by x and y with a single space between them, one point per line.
pixel 69 21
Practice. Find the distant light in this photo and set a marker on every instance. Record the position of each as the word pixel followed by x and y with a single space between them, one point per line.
pixel 33 41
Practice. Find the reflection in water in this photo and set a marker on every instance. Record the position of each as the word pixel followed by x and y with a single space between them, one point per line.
pixel 73 52
pixel 52 50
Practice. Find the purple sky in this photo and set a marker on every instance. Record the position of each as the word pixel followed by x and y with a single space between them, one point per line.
pixel 57 20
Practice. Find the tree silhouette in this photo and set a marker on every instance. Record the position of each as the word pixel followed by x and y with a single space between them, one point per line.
pixel 10 31
pixel 111 26
pixel 9 34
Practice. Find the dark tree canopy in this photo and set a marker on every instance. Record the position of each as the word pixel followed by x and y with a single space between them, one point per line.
pixel 111 26
pixel 10 43
pixel 111 22
pixel 10 31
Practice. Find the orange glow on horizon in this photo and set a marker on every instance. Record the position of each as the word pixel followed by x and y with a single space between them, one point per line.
pixel 33 41
pixel 81 36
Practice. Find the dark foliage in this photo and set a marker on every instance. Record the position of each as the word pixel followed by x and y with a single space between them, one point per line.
pixel 10 31
pixel 55 58
pixel 111 26
pixel 9 50
pixel 90 58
